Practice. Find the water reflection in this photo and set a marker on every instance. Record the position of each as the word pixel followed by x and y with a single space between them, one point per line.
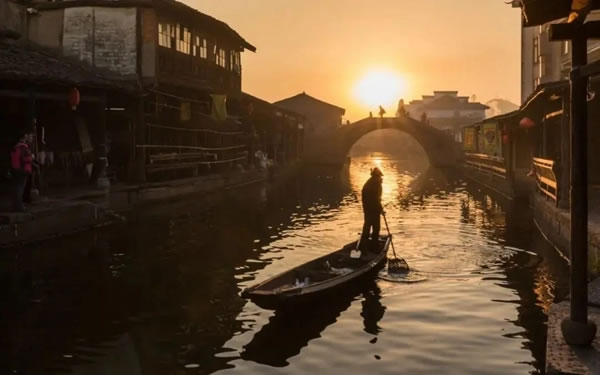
pixel 288 331
pixel 162 293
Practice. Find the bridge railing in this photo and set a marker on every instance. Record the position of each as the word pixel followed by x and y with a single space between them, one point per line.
pixel 546 179
pixel 486 164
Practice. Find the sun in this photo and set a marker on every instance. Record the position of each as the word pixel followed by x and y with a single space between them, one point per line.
pixel 380 87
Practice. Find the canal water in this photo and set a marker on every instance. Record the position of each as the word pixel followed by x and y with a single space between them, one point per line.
pixel 160 295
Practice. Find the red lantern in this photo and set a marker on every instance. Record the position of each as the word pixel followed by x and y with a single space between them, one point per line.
pixel 505 133
pixel 526 123
pixel 74 98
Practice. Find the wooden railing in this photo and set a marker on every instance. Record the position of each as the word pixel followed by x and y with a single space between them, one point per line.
pixel 545 176
pixel 173 148
pixel 486 164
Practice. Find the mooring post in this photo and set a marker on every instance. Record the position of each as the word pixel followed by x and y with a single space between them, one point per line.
pixel 579 190
pixel 577 330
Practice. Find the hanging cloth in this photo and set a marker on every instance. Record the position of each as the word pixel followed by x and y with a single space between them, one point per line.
pixel 219 107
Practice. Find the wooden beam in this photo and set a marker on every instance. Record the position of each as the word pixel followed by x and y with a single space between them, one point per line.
pixel 590 70
pixel 569 31
pixel 553 114
pixel 49 95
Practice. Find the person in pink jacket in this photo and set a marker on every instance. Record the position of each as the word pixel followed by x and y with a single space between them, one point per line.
pixel 21 161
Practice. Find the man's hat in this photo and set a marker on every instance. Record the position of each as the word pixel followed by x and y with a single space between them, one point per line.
pixel 376 172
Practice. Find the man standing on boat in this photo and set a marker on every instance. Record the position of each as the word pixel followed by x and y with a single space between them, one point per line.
pixel 372 208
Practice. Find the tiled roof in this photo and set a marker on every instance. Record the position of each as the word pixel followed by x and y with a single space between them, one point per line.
pixel 310 98
pixel 35 65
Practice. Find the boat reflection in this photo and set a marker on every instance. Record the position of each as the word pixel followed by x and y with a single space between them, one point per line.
pixel 372 310
pixel 288 331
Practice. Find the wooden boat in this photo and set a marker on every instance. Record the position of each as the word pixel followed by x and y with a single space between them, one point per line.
pixel 318 277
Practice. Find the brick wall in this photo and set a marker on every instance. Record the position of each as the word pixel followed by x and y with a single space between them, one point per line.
pixel 103 37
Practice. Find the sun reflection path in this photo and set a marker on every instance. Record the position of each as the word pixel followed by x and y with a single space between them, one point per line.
pixel 395 185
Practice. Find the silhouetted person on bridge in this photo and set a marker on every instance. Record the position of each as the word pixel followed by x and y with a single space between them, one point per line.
pixel 401 112
pixel 381 111
pixel 424 118
pixel 372 209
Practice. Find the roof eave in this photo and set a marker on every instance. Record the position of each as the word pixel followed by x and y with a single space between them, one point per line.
pixel 173 4
pixel 87 3
pixel 539 12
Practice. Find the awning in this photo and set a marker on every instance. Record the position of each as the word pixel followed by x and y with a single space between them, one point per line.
pixel 545 98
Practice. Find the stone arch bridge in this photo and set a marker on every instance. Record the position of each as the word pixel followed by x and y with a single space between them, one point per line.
pixel 440 147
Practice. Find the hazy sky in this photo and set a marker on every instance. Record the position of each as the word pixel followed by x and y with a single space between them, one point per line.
pixel 324 47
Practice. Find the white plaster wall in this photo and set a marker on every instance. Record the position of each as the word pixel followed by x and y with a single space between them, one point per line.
pixel 78 33
pixel 115 41
pixel 451 113
pixel 416 111
pixel 45 28
pixel 527 35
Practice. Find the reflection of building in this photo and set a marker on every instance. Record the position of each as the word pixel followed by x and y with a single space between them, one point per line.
pixel 322 119
pixel 446 110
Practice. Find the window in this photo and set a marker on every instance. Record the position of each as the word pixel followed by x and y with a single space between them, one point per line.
pixel 536 49
pixel 235 64
pixel 184 39
pixel 220 58
pixel 566 46
pixel 200 47
pixel 166 35
pixel 203 48
pixel 542 66
pixel 196 46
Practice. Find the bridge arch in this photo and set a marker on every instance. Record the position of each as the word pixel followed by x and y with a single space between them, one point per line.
pixel 440 147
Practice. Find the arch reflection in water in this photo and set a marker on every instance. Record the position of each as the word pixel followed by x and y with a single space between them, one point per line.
pixel 288 331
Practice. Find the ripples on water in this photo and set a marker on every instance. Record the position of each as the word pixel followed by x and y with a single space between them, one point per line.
pixel 161 295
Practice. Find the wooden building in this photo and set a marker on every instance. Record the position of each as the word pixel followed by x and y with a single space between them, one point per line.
pixel 188 121
pixel 63 103
pixel 534 141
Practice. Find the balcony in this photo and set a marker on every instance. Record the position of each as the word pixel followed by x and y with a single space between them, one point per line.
pixel 176 68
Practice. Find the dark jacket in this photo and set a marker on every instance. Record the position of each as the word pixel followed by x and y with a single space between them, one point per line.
pixel 371 196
